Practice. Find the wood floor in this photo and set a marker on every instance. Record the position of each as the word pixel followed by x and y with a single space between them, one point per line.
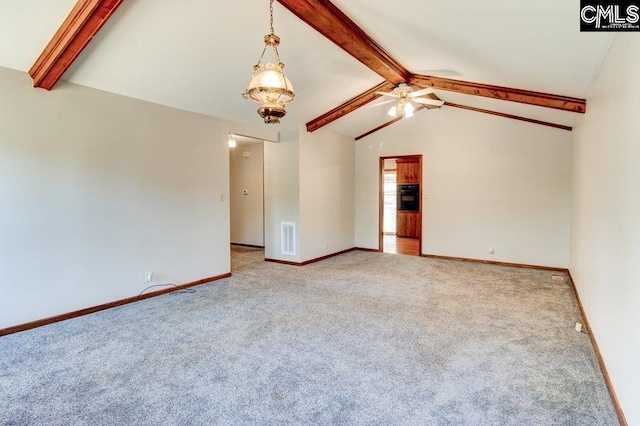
pixel 399 245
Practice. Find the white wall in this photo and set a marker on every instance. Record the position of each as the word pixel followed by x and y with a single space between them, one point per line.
pixel 282 191
pixel 327 192
pixel 489 182
pixel 605 232
pixel 96 189
pixel 247 213
pixel 309 180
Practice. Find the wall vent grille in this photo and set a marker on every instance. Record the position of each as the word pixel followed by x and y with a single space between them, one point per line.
pixel 288 238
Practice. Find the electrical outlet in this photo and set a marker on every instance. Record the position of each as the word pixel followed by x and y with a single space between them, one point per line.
pixel 221 198
pixel 326 245
pixel 148 277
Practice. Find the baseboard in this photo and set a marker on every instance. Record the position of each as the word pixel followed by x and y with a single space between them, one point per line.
pixel 282 262
pixel 307 262
pixel 318 259
pixel 246 245
pixel 594 343
pixel 491 262
pixel 596 348
pixel 368 249
pixel 93 309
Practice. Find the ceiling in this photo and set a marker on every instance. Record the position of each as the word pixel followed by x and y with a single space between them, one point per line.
pixel 197 55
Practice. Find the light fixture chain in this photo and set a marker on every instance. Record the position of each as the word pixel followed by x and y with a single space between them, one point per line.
pixel 268 85
pixel 271 12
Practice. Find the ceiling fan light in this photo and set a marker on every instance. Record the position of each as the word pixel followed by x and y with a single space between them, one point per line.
pixel 393 111
pixel 409 107
pixel 408 110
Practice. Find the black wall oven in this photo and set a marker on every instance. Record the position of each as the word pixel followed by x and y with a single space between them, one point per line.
pixel 409 197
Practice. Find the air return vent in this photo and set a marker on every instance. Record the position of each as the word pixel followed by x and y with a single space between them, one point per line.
pixel 288 238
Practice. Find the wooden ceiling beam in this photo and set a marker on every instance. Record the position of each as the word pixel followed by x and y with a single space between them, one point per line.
pixel 82 24
pixel 349 106
pixel 511 116
pixel 470 108
pixel 503 93
pixel 332 23
pixel 328 20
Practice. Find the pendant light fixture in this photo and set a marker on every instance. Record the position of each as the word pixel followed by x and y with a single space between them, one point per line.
pixel 269 86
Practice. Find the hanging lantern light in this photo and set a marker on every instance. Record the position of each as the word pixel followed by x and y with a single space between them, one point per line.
pixel 269 86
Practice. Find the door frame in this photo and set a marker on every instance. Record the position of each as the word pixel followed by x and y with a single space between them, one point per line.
pixel 381 199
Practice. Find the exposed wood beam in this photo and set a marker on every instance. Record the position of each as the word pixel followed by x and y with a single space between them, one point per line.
pixel 349 106
pixel 82 24
pixel 332 23
pixel 513 117
pixel 469 108
pixel 503 93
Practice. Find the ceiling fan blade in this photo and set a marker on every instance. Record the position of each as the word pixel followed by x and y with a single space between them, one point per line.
pixel 379 103
pixel 421 92
pixel 426 101
pixel 392 95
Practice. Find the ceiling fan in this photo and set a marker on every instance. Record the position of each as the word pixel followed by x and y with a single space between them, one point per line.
pixel 404 95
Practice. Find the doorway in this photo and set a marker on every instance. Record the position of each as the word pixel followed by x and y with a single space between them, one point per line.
pixel 246 199
pixel 400 221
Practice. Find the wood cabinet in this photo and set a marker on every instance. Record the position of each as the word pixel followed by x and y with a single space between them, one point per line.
pixel 408 224
pixel 408 170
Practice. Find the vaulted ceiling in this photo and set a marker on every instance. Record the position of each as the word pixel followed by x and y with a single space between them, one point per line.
pixel 197 55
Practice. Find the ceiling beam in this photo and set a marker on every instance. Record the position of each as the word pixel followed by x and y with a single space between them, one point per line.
pixel 82 24
pixel 349 106
pixel 503 93
pixel 513 117
pixel 470 108
pixel 332 23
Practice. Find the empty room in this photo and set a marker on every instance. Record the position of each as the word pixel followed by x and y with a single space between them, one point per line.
pixel 319 212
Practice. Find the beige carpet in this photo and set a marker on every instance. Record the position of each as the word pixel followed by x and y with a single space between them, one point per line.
pixel 362 338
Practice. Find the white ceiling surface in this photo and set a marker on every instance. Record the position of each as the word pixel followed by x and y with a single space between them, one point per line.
pixel 26 26
pixel 197 55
